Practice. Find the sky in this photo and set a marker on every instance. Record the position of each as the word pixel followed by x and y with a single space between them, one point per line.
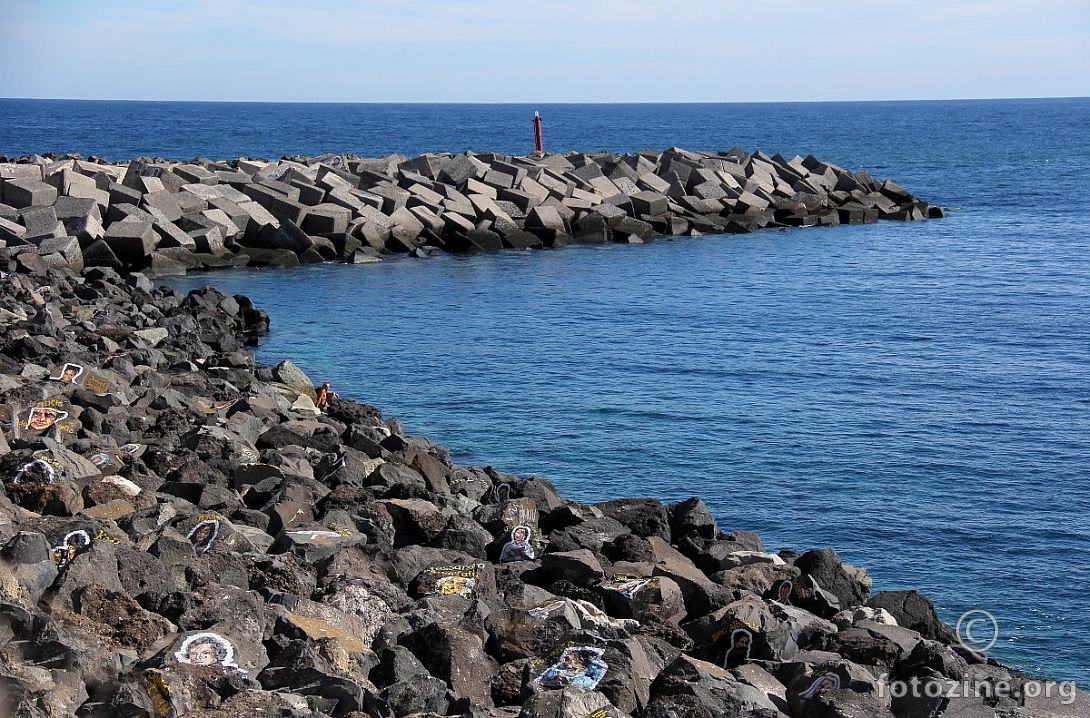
pixel 545 51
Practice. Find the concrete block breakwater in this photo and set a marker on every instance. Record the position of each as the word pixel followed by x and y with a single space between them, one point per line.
pixel 164 218
pixel 183 533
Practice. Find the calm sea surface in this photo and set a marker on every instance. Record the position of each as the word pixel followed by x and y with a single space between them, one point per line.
pixel 916 396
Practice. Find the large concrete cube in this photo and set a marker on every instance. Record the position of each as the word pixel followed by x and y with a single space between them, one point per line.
pixel 23 192
pixel 131 241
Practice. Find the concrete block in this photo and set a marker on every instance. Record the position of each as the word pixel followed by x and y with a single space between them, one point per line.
pixel 166 203
pixel 462 206
pixel 11 170
pixel 626 185
pixel 130 241
pixel 66 246
pixel 455 223
pixel 327 219
pixel 22 192
pixel 209 240
pixel 288 236
pixel 429 197
pixel 171 235
pixel 546 217
pixel 344 197
pixel 393 197
pixel 195 174
pixel 330 178
pixel 521 239
pixel 581 226
pixel 122 211
pixel 700 175
pixel 431 220
pixel 427 165
pixel 460 168
pixel 11 231
pixel 487 208
pixel 376 216
pixel 405 224
pixel 227 226
pixel 73 207
pixel 523 200
pixel 92 169
pixel 534 188
pixel 653 183
pixel 233 178
pixel 150 184
pixel 631 230
pixel 556 163
pixel 40 223
pixel 557 185
pixel 747 202
pixel 699 205
pixel 87 229
pixel 120 194
pixel 679 162
pixel 517 172
pixel 309 194
pixel 207 193
pixel 498 180
pixel 447 191
pixel 369 179
pixel 710 190
pixel 264 195
pixel 270 189
pixel 90 191
pixel 374 235
pixel 651 203
pixel 63 179
pixel 475 187
pixel 604 186
pixel 259 218
pixel 99 254
pixel 567 213
pixel 138 169
pixel 483 238
pixel 763 180
pixel 620 170
pixel 239 217
pixel 287 210
pixel 586 172
pixel 591 196
pixel 253 167
pixel 368 199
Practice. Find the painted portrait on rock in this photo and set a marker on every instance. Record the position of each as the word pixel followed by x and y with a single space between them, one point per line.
pixel 208 649
pixel 580 666
pixel 519 547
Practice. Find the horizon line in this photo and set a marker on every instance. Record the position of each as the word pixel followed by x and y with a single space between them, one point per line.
pixel 547 102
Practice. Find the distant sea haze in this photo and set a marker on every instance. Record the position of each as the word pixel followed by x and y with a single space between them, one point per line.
pixel 916 396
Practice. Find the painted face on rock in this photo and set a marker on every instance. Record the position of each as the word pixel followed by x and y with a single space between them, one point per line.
pixel 201 654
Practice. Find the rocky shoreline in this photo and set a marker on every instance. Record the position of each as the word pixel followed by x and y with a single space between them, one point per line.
pixel 163 217
pixel 184 533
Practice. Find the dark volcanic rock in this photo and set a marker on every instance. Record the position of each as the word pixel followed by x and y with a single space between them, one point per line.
pixel 193 537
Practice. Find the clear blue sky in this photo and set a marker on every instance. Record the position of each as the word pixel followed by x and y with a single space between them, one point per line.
pixel 544 51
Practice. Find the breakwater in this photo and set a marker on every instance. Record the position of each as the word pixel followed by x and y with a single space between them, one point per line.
pixel 164 218
pixel 184 533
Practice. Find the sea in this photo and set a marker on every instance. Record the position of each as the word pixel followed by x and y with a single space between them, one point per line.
pixel 913 395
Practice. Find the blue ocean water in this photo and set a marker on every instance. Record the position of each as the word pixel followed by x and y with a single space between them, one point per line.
pixel 916 396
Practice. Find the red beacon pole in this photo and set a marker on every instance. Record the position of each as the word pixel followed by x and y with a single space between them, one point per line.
pixel 538 146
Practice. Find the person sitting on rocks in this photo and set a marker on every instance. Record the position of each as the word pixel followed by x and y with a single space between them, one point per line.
pixel 323 396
